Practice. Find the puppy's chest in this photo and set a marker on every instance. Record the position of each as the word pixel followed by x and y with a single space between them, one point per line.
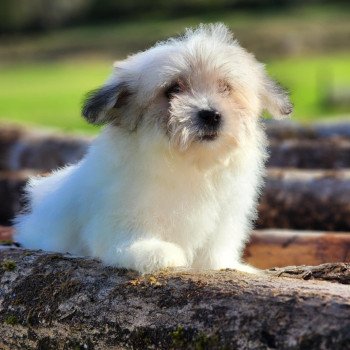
pixel 181 211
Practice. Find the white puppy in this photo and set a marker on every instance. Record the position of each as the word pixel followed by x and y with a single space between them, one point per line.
pixel 173 178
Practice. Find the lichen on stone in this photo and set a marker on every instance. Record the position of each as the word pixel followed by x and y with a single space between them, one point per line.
pixel 11 320
pixel 8 265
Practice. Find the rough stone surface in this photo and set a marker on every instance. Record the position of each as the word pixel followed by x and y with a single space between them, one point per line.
pixel 51 301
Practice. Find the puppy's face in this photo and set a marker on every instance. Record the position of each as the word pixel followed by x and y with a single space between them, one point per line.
pixel 201 91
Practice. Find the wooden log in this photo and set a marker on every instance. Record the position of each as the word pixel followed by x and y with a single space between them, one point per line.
pixel 306 200
pixel 6 234
pixel 51 301
pixel 278 248
pixel 324 153
pixel 9 136
pixel 313 146
pixel 332 272
pixel 11 194
pixel 283 130
pixel 292 145
pixel 41 150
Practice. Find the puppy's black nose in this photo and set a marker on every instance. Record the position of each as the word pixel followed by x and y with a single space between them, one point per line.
pixel 210 118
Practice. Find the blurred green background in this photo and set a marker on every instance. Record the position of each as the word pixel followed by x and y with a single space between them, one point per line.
pixel 53 51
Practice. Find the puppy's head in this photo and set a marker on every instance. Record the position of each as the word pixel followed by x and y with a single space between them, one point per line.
pixel 198 91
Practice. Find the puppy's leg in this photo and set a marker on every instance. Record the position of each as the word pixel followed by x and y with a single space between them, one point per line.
pixel 246 268
pixel 224 249
pixel 217 257
pixel 48 229
pixel 148 255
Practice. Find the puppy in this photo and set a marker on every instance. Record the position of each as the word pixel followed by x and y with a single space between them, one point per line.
pixel 173 178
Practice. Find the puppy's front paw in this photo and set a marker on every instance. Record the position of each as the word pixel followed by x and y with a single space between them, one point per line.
pixel 147 256
pixel 246 268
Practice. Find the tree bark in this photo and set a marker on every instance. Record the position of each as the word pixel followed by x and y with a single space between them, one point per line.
pixel 11 194
pixel 52 301
pixel 319 146
pixel 22 148
pixel 284 130
pixel 338 273
pixel 325 153
pixel 306 200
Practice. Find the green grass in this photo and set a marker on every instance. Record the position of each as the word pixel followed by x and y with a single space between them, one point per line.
pixel 43 77
pixel 51 94
pixel 310 80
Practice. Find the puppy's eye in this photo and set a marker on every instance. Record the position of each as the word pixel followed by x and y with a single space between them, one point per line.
pixel 172 90
pixel 224 87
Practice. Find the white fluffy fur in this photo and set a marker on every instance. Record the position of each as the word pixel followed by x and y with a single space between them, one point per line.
pixel 149 195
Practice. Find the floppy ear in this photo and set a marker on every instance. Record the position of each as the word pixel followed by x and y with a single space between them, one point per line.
pixel 275 99
pixel 101 105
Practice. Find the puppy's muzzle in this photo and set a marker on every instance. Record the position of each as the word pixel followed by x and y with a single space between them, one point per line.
pixel 209 123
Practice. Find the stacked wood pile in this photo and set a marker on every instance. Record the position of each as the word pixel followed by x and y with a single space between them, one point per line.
pixel 51 301
pixel 307 183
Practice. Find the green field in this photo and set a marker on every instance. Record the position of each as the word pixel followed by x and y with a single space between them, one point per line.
pixel 44 76
pixel 51 94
